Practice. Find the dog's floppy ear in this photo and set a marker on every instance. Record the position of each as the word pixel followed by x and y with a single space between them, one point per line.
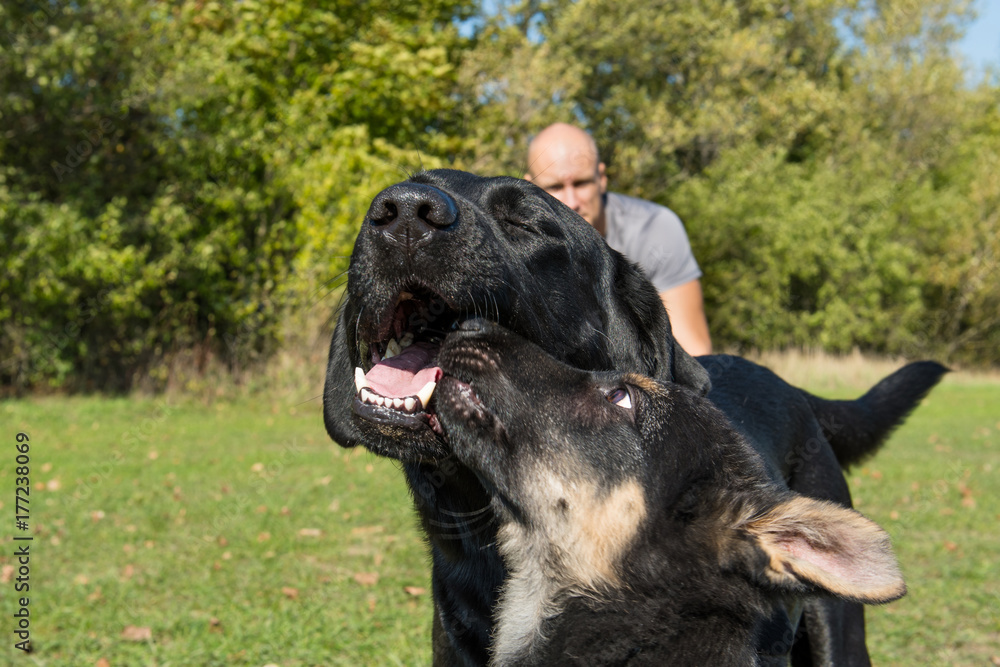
pixel 817 544
pixel 665 359
pixel 338 392
pixel 688 371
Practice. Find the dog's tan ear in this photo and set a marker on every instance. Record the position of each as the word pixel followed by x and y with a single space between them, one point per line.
pixel 817 543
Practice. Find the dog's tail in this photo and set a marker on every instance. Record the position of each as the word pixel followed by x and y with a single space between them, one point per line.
pixel 856 429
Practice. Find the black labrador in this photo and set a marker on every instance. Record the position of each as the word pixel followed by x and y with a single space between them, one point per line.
pixel 638 526
pixel 447 246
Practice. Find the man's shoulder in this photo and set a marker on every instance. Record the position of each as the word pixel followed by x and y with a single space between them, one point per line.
pixel 625 208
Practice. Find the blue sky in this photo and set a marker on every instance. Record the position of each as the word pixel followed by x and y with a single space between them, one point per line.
pixel 981 45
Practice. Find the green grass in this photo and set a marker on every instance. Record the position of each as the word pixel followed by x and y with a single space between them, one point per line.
pixel 199 523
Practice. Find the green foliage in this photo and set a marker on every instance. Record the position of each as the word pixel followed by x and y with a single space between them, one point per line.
pixel 176 177
pixel 180 176
pixel 837 194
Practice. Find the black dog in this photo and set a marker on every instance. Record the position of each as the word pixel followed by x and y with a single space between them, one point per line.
pixel 638 526
pixel 447 246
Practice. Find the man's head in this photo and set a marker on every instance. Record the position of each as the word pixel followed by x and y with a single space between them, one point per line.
pixel 563 161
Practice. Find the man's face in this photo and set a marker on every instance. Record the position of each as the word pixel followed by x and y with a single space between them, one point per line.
pixel 574 178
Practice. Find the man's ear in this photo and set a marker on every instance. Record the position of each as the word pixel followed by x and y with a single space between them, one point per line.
pixel 812 543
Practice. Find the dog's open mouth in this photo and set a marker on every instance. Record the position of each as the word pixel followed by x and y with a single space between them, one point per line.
pixel 399 384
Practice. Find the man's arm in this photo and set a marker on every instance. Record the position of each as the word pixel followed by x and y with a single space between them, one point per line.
pixel 687 317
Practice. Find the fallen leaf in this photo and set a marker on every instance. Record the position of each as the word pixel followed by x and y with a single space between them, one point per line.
pixel 96 515
pixel 876 474
pixel 290 593
pixel 950 546
pixel 53 484
pixel 367 530
pixel 6 574
pixel 257 467
pixel 263 537
pixel 46 467
pixel 128 571
pixel 103 662
pixel 310 532
pixel 366 578
pixel 894 515
pixel 133 633
pixel 415 590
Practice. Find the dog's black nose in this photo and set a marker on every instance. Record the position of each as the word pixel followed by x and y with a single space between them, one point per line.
pixel 410 213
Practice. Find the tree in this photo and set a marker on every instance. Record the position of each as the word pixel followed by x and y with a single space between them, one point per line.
pixel 176 175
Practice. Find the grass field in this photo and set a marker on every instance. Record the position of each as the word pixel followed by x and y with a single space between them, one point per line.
pixel 234 533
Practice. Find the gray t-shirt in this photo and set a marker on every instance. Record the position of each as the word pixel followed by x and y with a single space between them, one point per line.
pixel 652 236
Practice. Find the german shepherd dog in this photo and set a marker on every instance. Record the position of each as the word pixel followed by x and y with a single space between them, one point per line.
pixel 446 246
pixel 638 526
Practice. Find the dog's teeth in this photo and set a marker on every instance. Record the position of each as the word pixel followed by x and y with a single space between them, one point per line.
pixel 379 400
pixel 392 349
pixel 424 395
pixel 410 403
pixel 406 340
pixel 360 382
pixel 365 395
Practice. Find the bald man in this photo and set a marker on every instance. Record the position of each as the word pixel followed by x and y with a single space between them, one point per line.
pixel 563 161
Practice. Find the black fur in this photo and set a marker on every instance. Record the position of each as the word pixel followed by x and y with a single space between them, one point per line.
pixel 855 429
pixel 502 249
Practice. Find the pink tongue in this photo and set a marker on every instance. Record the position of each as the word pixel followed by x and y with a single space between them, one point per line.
pixel 406 373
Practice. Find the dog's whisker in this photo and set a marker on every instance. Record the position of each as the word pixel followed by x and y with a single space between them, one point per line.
pixel 342 278
pixel 473 513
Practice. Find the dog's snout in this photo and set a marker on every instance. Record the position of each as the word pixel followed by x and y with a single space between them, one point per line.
pixel 410 213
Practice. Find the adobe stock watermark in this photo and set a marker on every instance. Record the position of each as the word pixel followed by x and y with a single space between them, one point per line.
pixel 37 21
pixel 107 126
pixel 129 442
pixel 44 358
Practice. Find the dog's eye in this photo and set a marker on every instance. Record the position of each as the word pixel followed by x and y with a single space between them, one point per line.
pixel 520 224
pixel 620 397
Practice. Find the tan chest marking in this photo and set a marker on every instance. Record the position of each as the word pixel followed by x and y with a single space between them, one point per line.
pixel 574 547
